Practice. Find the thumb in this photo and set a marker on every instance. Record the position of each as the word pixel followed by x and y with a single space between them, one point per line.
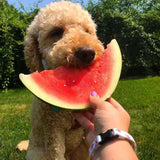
pixel 95 101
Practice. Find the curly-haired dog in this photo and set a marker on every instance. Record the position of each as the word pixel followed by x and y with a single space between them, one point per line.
pixel 61 34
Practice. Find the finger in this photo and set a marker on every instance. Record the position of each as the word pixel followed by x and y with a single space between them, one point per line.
pixel 92 110
pixel 97 103
pixel 89 115
pixel 84 121
pixel 91 137
pixel 93 93
pixel 94 101
pixel 115 104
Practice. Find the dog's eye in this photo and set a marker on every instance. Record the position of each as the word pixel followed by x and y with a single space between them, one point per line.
pixel 87 31
pixel 57 32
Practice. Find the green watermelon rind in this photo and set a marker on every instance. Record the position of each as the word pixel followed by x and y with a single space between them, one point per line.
pixel 29 82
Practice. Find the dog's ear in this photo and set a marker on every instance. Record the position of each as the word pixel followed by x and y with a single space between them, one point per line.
pixel 33 57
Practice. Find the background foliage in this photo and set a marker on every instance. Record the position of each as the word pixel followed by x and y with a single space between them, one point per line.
pixel 134 23
pixel 13 24
pixel 136 26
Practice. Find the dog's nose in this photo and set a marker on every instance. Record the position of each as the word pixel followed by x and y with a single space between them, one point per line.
pixel 85 54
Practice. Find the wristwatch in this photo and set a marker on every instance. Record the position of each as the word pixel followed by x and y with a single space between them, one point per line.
pixel 108 136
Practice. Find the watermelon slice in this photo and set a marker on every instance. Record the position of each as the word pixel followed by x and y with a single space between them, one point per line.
pixel 69 87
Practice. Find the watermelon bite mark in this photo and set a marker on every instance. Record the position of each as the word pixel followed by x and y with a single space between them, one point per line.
pixel 70 88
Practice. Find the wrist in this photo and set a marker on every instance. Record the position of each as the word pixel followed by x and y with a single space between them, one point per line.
pixel 109 137
pixel 115 149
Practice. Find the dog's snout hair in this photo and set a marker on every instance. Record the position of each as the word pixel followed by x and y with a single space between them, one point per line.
pixel 85 54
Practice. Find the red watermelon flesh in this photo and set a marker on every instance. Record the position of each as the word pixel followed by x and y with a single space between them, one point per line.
pixel 69 87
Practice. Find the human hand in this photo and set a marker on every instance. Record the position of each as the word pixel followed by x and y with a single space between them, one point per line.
pixel 103 116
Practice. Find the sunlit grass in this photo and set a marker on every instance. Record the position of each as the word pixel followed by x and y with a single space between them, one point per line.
pixel 140 97
pixel 14 122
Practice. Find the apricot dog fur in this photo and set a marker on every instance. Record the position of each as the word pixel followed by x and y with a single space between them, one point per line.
pixel 61 34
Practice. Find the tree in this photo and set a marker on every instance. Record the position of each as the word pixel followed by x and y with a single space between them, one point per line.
pixel 136 30
pixel 12 31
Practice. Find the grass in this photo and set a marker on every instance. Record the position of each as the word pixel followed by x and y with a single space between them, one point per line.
pixel 140 97
pixel 14 122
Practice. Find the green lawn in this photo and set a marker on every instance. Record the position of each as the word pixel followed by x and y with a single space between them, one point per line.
pixel 140 97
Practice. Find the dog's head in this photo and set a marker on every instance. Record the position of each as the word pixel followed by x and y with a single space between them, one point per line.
pixel 62 34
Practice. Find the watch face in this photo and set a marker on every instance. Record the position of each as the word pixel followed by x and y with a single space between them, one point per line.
pixel 107 136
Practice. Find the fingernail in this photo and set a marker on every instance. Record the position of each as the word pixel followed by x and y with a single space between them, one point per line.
pixel 94 94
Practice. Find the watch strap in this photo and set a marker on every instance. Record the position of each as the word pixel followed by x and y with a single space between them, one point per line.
pixel 124 135
pixel 108 136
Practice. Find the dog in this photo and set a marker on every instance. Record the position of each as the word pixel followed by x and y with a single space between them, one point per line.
pixel 62 33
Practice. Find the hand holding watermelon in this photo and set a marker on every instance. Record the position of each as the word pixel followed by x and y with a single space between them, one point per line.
pixel 105 116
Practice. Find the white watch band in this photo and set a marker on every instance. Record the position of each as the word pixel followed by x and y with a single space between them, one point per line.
pixel 109 135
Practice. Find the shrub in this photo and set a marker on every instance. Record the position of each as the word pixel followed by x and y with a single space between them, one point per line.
pixel 12 31
pixel 136 31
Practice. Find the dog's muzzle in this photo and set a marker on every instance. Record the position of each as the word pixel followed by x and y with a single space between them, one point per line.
pixel 85 54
